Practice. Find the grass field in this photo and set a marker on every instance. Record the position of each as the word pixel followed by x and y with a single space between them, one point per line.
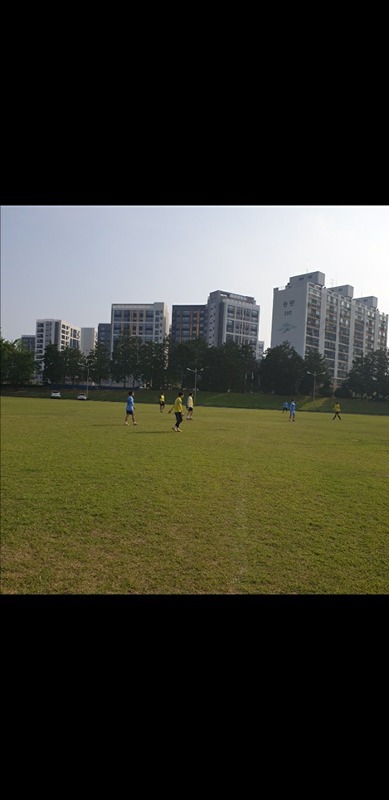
pixel 251 400
pixel 242 502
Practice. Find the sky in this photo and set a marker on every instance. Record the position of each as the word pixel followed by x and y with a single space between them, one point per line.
pixel 73 262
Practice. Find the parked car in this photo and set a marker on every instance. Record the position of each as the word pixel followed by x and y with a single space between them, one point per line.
pixel 82 397
pixel 56 394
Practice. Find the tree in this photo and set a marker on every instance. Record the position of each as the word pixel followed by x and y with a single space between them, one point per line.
pixel 73 363
pixel 360 377
pixel 118 369
pixel 6 353
pixel 98 362
pixel 17 364
pixel 380 360
pixel 125 362
pixel 315 363
pixel 231 356
pixel 281 370
pixel 213 377
pixel 231 366
pixel 249 367
pixel 53 365
pixel 184 356
pixel 153 358
pixel 159 365
pixel 369 375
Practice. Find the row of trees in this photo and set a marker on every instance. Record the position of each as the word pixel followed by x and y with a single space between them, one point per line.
pixel 282 371
pixel 17 365
pixel 369 376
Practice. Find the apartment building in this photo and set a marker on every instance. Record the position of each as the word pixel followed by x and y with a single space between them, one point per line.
pixel 188 322
pixel 149 321
pixel 55 331
pixel 104 334
pixel 330 321
pixel 260 350
pixel 232 318
pixel 88 340
pixel 28 341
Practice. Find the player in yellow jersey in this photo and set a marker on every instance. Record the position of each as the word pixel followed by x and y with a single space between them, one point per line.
pixel 177 408
pixel 337 411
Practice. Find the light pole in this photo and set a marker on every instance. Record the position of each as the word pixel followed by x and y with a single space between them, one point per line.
pixel 196 371
pixel 314 381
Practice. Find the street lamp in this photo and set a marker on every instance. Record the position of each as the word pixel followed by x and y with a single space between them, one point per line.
pixel 314 381
pixel 196 371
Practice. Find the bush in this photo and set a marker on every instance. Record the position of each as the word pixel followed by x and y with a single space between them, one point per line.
pixel 343 391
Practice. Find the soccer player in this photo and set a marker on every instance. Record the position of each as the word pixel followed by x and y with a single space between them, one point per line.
pixel 177 408
pixel 161 402
pixel 130 408
pixel 189 406
pixel 292 410
pixel 285 407
pixel 337 410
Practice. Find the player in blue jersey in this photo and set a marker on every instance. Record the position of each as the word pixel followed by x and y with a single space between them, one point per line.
pixel 130 409
pixel 292 410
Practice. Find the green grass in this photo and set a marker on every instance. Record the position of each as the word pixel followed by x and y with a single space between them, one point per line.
pixel 253 400
pixel 242 502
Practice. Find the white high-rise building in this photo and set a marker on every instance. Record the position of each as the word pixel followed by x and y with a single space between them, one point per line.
pixel 260 350
pixel 329 321
pixel 55 331
pixel 149 321
pixel 232 318
pixel 88 340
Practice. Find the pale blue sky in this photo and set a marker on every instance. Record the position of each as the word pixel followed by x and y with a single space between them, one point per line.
pixel 73 262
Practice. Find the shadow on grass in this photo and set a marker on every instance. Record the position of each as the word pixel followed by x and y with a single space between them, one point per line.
pixel 115 425
pixel 105 425
pixel 148 432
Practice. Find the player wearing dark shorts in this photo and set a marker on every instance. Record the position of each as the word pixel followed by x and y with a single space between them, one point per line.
pixel 130 409
pixel 177 408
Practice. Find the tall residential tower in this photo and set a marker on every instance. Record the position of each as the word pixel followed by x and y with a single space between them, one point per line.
pixel 232 318
pixel 188 322
pixel 55 331
pixel 149 321
pixel 329 321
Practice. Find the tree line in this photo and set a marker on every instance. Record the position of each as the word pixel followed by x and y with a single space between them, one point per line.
pixel 230 367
